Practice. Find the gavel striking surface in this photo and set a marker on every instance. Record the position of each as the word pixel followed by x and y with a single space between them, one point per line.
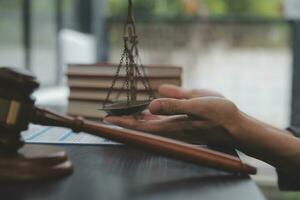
pixel 16 109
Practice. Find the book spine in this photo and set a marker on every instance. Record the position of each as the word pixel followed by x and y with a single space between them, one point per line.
pixel 102 75
pixel 104 64
pixel 99 75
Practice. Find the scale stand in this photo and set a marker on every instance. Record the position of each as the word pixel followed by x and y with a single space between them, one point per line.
pixel 135 71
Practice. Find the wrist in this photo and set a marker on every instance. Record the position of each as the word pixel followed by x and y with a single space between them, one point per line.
pixel 234 125
pixel 274 146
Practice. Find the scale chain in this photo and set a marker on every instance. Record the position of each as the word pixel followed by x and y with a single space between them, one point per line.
pixel 115 78
pixel 130 61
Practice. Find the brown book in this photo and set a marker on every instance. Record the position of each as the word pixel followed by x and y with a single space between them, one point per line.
pixel 106 82
pixel 107 69
pixel 100 95
pixel 88 109
pixel 89 86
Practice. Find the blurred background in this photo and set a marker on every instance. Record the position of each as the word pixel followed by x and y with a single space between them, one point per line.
pixel 242 48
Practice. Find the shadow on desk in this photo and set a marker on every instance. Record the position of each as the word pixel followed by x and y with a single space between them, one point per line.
pixel 123 173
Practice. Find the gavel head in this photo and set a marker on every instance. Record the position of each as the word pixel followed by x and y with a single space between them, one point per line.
pixel 16 106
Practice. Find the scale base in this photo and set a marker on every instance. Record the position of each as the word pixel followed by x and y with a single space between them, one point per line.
pixel 34 162
pixel 123 108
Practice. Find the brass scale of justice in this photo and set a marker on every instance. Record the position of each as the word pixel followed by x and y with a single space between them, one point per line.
pixel 36 162
pixel 135 71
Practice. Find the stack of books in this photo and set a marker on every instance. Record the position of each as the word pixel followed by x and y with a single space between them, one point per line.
pixel 89 85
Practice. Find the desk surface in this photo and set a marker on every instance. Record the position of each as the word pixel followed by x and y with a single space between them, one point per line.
pixel 121 173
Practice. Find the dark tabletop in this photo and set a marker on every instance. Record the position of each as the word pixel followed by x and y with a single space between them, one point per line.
pixel 120 172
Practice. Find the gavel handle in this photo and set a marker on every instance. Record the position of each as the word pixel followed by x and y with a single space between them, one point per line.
pixel 164 146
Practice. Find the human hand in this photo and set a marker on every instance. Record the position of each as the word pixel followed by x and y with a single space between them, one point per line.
pixel 198 120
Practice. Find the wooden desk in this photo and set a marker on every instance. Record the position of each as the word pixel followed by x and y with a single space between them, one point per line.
pixel 121 173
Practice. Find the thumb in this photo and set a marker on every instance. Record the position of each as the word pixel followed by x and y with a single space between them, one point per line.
pixel 167 106
pixel 171 91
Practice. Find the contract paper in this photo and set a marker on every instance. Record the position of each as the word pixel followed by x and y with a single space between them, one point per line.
pixel 56 135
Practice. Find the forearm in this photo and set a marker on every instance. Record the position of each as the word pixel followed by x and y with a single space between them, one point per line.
pixel 274 146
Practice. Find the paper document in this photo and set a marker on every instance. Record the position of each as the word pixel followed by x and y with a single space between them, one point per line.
pixel 57 135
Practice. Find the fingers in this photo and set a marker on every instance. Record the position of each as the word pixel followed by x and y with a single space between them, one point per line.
pixel 167 106
pixel 175 127
pixel 189 94
pixel 172 124
pixel 136 124
pixel 172 91
pixel 127 122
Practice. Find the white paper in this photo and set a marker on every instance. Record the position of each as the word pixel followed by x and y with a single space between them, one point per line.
pixel 57 135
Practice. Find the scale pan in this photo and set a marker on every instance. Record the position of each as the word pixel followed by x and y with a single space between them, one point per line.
pixel 122 108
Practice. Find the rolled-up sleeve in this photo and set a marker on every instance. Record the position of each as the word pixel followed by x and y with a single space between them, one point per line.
pixel 287 182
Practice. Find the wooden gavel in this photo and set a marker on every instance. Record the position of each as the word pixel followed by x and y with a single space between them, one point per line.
pixel 17 110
